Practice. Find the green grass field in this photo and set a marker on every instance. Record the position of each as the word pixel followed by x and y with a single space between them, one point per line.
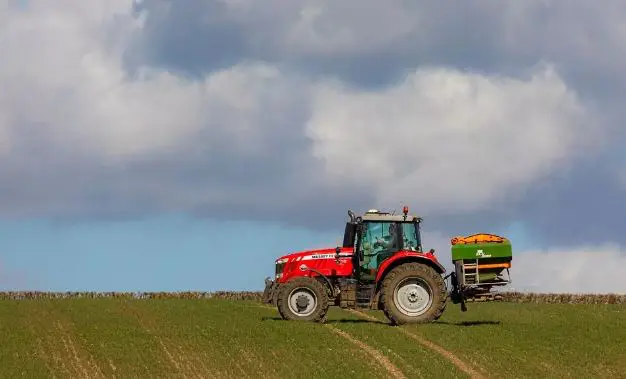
pixel 107 337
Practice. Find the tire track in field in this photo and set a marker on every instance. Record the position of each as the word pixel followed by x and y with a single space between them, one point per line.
pixel 87 366
pixel 238 359
pixel 234 361
pixel 384 361
pixel 187 363
pixel 458 362
pixel 392 369
pixel 57 347
pixel 41 352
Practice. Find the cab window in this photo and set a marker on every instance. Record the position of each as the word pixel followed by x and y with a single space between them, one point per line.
pixel 377 243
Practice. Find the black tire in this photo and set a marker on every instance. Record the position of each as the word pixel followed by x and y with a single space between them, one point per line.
pixel 275 301
pixel 423 274
pixel 309 288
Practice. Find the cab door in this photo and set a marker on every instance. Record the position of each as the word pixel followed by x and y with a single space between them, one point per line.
pixel 378 242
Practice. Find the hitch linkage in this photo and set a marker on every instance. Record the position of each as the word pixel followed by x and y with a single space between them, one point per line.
pixel 456 295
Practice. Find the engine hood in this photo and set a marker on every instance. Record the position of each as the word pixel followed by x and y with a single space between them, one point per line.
pixel 330 251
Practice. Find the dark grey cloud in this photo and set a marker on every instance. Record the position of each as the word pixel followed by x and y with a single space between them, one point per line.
pixel 505 37
pixel 194 38
pixel 586 205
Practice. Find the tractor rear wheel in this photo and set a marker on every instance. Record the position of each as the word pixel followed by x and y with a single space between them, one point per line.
pixel 413 293
pixel 303 298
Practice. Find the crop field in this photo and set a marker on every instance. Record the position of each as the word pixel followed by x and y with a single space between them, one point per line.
pixel 235 336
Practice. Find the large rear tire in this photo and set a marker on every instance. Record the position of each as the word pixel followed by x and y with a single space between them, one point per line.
pixel 304 299
pixel 413 293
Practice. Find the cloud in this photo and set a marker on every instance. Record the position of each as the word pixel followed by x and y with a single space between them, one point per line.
pixel 584 269
pixel 457 140
pixel 84 136
pixel 287 28
pixel 83 95
pixel 599 269
pixel 369 37
pixel 504 39
pixel 240 110
pixel 343 29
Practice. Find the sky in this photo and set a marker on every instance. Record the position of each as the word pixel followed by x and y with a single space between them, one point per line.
pixel 166 145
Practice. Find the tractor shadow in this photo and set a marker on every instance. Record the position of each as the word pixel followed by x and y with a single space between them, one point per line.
pixel 355 321
pixel 382 322
pixel 467 323
pixel 334 321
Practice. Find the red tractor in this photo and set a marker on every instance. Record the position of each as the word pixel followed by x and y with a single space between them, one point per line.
pixel 381 265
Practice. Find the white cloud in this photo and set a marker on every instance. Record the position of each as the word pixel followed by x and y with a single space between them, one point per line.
pixel 454 141
pixel 66 74
pixel 69 106
pixel 587 269
pixel 584 270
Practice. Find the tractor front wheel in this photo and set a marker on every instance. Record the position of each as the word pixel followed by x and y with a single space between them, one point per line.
pixel 413 293
pixel 303 298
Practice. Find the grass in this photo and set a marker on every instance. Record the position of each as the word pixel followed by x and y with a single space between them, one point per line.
pixel 534 340
pixel 159 338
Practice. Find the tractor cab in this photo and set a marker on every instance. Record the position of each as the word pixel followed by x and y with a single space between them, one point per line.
pixel 376 236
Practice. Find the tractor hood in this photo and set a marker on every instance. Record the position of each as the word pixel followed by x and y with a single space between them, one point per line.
pixel 328 253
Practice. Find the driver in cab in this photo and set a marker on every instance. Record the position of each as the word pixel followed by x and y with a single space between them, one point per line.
pixel 372 249
pixel 387 241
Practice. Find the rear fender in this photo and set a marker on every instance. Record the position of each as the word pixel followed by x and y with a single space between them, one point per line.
pixel 405 257
pixel 401 258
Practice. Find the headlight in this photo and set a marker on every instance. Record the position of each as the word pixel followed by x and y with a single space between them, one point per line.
pixel 280 265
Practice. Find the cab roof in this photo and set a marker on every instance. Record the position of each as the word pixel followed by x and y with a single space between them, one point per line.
pixel 374 215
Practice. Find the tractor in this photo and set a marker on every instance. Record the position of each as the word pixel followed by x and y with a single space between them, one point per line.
pixel 382 266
